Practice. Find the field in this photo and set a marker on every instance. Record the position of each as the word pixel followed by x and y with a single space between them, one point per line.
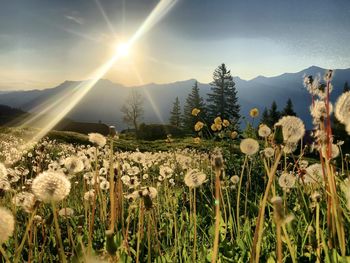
pixel 260 195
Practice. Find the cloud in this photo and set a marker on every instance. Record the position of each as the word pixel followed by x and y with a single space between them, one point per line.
pixel 75 19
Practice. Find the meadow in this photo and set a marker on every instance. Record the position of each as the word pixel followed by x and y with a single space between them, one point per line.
pixel 258 195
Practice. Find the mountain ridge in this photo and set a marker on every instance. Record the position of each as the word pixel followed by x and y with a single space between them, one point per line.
pixel 104 101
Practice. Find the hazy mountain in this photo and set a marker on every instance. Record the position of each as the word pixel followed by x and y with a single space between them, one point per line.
pixel 104 101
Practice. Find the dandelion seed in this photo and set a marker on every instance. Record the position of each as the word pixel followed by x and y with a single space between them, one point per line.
pixel 104 185
pixel 73 165
pixel 287 180
pixel 314 174
pixel 97 139
pixel 234 179
pixel 249 146
pixel 194 178
pixel 51 186
pixel 334 151
pixel 66 212
pixel 25 200
pixel 7 224
pixel 342 108
pixel 264 131
pixel 269 152
pixel 89 196
pixel 293 128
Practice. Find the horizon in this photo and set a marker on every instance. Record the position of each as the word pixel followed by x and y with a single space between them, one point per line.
pixel 45 43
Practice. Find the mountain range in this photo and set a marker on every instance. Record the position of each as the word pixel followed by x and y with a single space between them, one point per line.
pixel 104 100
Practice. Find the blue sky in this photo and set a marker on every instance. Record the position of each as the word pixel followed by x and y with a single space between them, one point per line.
pixel 43 43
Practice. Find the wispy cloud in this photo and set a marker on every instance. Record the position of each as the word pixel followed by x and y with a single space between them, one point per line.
pixel 75 18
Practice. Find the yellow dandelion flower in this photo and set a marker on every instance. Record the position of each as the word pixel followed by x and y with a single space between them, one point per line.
pixel 198 126
pixel 195 111
pixel 197 140
pixel 218 120
pixel 226 123
pixel 233 135
pixel 213 127
pixel 254 113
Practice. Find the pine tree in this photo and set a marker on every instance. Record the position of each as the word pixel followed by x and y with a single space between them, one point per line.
pixel 265 117
pixel 194 100
pixel 346 87
pixel 288 109
pixel 274 114
pixel 223 100
pixel 175 114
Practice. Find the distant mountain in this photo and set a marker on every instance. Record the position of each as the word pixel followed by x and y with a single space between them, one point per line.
pixel 104 101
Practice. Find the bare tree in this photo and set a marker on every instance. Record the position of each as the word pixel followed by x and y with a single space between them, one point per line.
pixel 133 109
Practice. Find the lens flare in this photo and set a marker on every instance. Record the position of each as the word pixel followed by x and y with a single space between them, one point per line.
pixel 51 112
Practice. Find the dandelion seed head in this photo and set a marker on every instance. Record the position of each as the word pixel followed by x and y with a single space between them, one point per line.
pixel 293 128
pixel 194 178
pixel 51 186
pixel 97 139
pixel 7 224
pixel 249 146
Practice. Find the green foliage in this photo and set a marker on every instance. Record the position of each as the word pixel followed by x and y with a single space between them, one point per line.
pixel 175 114
pixel 158 131
pixel 288 109
pixel 223 101
pixel 194 100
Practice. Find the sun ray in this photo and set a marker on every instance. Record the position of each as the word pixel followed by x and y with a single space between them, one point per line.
pixel 108 22
pixel 53 113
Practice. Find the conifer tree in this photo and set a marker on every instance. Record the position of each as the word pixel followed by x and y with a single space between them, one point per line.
pixel 288 109
pixel 194 100
pixel 274 114
pixel 346 87
pixel 223 101
pixel 175 114
pixel 265 117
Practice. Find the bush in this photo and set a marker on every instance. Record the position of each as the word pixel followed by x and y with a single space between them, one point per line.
pixel 153 132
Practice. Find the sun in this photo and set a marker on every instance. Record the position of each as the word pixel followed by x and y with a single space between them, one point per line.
pixel 122 49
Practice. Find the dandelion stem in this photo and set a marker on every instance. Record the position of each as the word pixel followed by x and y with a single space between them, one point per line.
pixel 217 215
pixel 194 225
pixel 58 234
pixel 4 254
pixel 238 197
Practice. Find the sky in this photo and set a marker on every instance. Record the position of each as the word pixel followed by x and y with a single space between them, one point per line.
pixel 43 43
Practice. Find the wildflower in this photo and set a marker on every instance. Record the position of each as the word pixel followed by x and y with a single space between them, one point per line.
pixel 73 164
pixel 104 185
pixel 249 146
pixel 225 123
pixel 218 120
pixel 197 140
pixel 145 177
pixel 195 111
pixel 264 131
pixel 254 112
pixel 3 171
pixel 24 200
pixel 289 147
pixel 89 196
pixel 194 178
pixel 334 151
pixel 97 139
pixel 51 186
pixel 151 191
pixel 213 127
pixel 233 135
pixel 316 197
pixel 217 161
pixel 293 128
pixel 328 75
pixel 342 108
pixel 7 224
pixel 198 126
pixel 319 110
pixel 269 152
pixel 287 180
pixel 234 179
pixel 66 212
pixel 165 171
pixel 314 174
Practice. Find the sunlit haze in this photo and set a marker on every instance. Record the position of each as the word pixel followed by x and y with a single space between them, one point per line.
pixel 43 43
